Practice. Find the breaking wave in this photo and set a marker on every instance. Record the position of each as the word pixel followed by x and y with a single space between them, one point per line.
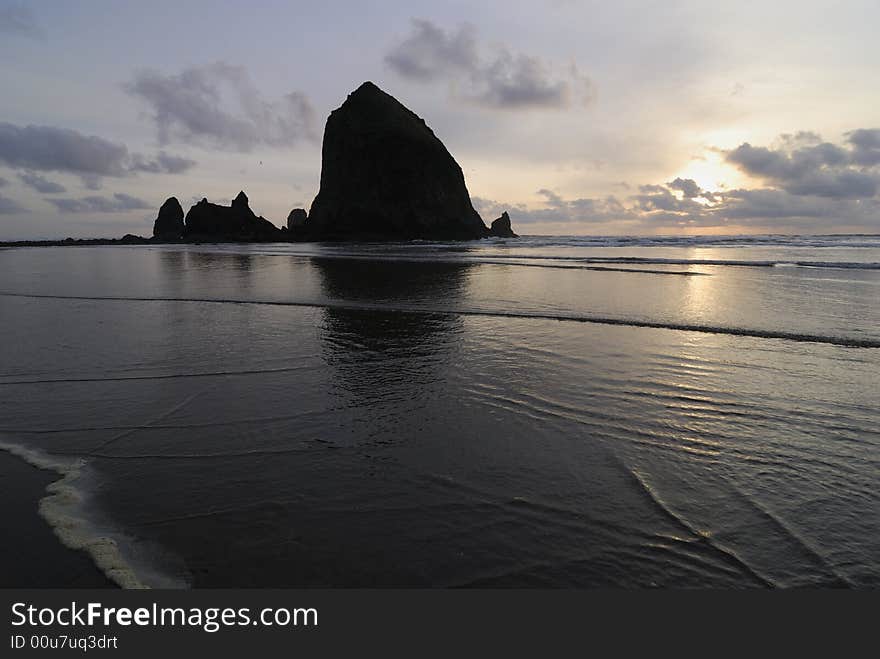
pixel 65 509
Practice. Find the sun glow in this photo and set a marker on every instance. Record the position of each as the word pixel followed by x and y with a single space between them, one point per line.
pixel 711 173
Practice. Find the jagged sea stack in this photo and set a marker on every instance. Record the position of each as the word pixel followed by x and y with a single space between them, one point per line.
pixel 386 176
pixel 236 222
pixel 501 227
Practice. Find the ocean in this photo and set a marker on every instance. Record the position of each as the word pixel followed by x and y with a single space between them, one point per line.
pixel 541 412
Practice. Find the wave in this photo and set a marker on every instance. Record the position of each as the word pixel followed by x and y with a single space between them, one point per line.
pixel 580 252
pixel 759 333
pixel 64 509
pixel 505 260
pixel 852 265
pixel 838 264
pixel 640 479
pixel 158 376
pixel 599 263
pixel 527 261
pixel 440 254
pixel 769 240
pixel 655 260
pixel 747 240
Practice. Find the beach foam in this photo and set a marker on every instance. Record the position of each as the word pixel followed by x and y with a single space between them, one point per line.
pixel 65 509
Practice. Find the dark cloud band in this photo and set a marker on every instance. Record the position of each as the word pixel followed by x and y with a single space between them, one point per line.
pixel 817 168
pixel 40 183
pixel 53 149
pixel 118 203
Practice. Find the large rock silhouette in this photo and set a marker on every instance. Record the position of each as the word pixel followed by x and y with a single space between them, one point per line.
pixel 297 219
pixel 236 222
pixel 501 227
pixel 385 175
pixel 169 223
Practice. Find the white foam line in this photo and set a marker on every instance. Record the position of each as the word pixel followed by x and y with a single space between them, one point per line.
pixel 63 509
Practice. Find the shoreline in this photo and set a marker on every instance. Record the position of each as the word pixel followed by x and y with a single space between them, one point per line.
pixel 129 240
pixel 363 238
pixel 33 555
pixel 207 239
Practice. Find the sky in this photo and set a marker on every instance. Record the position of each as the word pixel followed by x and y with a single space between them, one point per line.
pixel 578 117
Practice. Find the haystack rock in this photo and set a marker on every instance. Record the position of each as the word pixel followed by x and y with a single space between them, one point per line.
pixel 501 227
pixel 169 223
pixel 296 219
pixel 385 175
pixel 207 220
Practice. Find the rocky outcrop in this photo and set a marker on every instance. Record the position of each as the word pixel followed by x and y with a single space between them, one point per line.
pixel 236 222
pixel 297 219
pixel 131 239
pixel 385 175
pixel 169 223
pixel 501 227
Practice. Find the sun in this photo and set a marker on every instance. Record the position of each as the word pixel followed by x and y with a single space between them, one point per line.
pixel 710 172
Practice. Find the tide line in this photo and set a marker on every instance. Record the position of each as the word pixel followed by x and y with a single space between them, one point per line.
pixel 845 341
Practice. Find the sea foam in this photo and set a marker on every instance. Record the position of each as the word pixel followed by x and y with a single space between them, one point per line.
pixel 64 509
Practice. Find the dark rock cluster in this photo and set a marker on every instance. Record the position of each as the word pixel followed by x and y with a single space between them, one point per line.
pixel 236 221
pixel 384 176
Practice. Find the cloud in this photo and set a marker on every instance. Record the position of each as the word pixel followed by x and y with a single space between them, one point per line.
pixel 687 186
pixel 91 181
pixel 800 138
pixel 10 206
pixel 838 185
pixel 18 20
pixel 430 52
pixel 805 165
pixel 517 81
pixel 118 203
pixel 557 209
pixel 3 182
pixel 60 149
pixel 660 198
pixel 865 146
pixel 41 184
pixel 819 185
pixel 53 149
pixel 659 205
pixel 161 164
pixel 219 106
pixel 804 184
pixel 767 203
pixel 503 80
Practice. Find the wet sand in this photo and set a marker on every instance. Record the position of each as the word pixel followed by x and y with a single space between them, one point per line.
pixel 31 556
pixel 282 417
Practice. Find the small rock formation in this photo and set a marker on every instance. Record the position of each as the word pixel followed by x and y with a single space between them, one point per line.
pixel 238 222
pixel 501 227
pixel 296 219
pixel 385 175
pixel 169 223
